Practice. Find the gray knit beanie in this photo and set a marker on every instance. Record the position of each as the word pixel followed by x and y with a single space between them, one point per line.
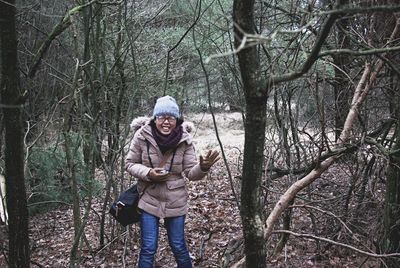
pixel 166 106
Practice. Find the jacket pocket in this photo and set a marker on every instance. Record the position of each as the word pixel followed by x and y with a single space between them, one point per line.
pixel 177 194
pixel 172 185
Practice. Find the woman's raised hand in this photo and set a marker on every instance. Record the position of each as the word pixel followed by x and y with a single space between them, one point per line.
pixel 210 159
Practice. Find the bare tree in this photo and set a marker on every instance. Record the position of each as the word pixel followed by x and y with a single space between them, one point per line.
pixel 257 90
pixel 257 87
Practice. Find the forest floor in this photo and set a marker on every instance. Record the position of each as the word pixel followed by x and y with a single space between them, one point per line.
pixel 213 225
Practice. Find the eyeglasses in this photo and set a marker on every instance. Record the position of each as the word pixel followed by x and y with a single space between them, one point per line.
pixel 162 119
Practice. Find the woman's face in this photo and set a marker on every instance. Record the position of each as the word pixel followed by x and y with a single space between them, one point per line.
pixel 165 124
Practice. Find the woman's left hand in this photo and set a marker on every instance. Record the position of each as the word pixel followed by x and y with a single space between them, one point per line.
pixel 210 159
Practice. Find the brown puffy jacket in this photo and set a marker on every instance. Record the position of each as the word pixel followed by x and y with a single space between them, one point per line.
pixel 165 198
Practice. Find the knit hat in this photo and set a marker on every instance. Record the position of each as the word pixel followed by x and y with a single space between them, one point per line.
pixel 166 106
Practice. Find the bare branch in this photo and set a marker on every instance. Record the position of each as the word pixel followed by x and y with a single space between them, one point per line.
pixel 323 34
pixel 339 244
pixel 57 30
pixel 325 212
pixel 110 2
pixel 6 3
pixel 364 86
pixel 250 40
pixel 358 52
pixel 357 10
pixel 196 19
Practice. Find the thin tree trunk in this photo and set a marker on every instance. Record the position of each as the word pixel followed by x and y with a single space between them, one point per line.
pixel 251 210
pixel 256 103
pixel 70 146
pixel 12 104
pixel 390 242
pixel 342 88
pixel 113 116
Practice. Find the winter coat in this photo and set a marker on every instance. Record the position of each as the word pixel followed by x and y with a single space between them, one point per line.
pixel 167 198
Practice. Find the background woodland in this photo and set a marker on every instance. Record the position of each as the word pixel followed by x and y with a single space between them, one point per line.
pixel 310 88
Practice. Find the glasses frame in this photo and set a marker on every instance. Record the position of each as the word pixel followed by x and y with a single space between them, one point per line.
pixel 162 119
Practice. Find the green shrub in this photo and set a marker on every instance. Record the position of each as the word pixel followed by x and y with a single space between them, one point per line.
pixel 48 182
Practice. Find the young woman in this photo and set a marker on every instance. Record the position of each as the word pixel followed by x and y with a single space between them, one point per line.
pixel 161 155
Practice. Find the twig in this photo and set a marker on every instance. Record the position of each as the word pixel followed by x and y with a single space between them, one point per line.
pixel 249 40
pixel 125 248
pixel 112 241
pixel 202 245
pixel 358 52
pixel 374 255
pixel 28 147
pixel 49 202
pixel 326 212
pixel 6 3
pixel 176 45
pixel 356 10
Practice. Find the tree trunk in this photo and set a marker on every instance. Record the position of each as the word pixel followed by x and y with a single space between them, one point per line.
pixel 250 209
pixel 256 103
pixel 391 237
pixel 113 119
pixel 390 242
pixel 342 86
pixel 70 151
pixel 12 104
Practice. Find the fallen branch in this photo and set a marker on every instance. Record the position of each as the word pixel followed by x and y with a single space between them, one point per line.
pixel 370 254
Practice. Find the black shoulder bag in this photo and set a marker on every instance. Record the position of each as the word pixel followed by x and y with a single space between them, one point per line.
pixel 125 209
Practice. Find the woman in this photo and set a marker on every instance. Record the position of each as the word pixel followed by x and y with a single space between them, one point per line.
pixel 161 154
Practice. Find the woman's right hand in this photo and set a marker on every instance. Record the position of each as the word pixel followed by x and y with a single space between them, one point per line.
pixel 157 174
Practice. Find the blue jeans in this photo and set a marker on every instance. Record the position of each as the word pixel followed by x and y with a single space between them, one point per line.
pixel 175 226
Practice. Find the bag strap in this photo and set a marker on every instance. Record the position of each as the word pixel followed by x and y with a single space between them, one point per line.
pixel 165 158
pixel 144 189
pixel 148 153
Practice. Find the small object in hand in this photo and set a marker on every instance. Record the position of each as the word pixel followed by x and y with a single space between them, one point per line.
pixel 163 172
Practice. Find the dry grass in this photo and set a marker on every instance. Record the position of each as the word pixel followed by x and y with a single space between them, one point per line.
pixel 229 126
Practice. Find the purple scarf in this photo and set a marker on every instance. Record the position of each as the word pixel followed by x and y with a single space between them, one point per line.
pixel 166 142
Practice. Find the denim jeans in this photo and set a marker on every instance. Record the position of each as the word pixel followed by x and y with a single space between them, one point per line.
pixel 175 226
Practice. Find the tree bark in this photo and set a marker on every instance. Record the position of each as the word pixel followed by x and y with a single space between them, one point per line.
pixel 390 242
pixel 12 104
pixel 391 236
pixel 256 102
pixel 342 88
